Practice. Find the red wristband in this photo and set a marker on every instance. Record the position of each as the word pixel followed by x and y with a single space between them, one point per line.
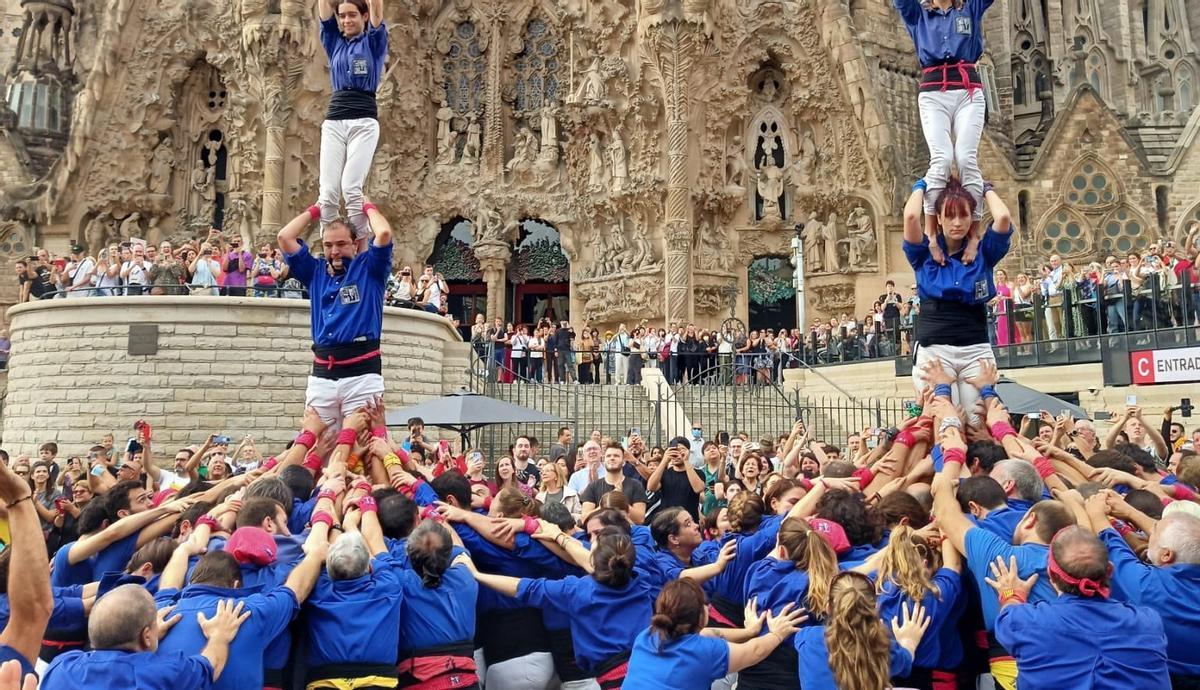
pixel 209 520
pixel 367 504
pixel 305 438
pixel 431 513
pixel 326 493
pixel 906 439
pixel 1002 430
pixel 1044 467
pixel 312 461
pixel 321 517
pixel 954 455
pixel 865 475
pixel 363 485
pixel 1123 528
pixel 270 463
pixel 314 212
pixel 368 206
pixel 806 483
pixel 347 437
pixel 379 432
pixel 1182 493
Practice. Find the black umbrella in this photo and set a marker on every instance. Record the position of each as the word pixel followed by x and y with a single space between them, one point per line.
pixel 1025 400
pixel 464 412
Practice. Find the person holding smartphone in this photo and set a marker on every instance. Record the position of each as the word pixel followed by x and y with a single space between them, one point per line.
pixel 676 480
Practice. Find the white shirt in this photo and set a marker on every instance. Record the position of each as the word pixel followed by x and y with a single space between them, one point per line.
pixel 435 292
pixel 138 275
pixel 80 275
pixel 536 342
pixel 519 344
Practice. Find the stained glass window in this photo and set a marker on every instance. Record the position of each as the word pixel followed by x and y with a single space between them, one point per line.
pixel 1090 186
pixel 1065 234
pixel 1122 233
pixel 462 70
pixel 537 68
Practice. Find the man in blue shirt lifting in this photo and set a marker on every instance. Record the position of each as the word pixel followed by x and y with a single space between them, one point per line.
pixel 345 290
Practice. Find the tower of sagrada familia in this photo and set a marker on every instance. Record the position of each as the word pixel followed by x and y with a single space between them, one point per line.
pixel 608 161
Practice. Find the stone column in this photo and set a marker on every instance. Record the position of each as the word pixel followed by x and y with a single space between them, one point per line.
pixel 493 263
pixel 672 46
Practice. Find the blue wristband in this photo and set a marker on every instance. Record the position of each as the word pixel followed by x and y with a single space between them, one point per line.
pixel 988 392
pixel 942 390
pixel 920 184
pixel 938 458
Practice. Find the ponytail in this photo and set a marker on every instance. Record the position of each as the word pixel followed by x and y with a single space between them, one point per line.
pixel 905 564
pixel 612 558
pixel 812 553
pixel 857 641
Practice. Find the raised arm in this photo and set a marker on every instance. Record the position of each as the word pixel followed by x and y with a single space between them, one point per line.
pixel 375 7
pixel 326 8
pixel 131 524
pixel 381 226
pixel 29 597
pixel 1001 216
pixel 914 210
pixel 289 235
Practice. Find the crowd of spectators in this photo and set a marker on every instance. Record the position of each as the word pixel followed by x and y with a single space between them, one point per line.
pixel 791 561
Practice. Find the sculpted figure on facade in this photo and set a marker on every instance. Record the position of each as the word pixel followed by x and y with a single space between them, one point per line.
pixel 161 163
pixel 525 154
pixel 769 181
pixel 814 244
pixel 474 144
pixel 831 235
pixel 595 163
pixel 736 169
pixel 488 227
pixel 618 158
pixel 591 90
pixel 642 254
pixel 712 247
pixel 446 136
pixel 549 122
pixel 131 226
pixel 862 239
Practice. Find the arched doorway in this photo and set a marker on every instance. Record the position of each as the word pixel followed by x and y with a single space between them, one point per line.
pixel 772 293
pixel 539 274
pixel 454 257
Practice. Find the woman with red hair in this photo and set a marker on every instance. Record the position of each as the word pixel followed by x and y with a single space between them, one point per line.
pixel 952 330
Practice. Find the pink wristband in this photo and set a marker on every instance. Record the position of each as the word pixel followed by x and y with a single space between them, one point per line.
pixel 270 463
pixel 367 505
pixel 531 525
pixel 347 437
pixel 865 475
pixel 305 438
pixel 326 494
pixel 906 439
pixel 207 519
pixel 312 461
pixel 954 455
pixel 1002 430
pixel 431 513
pixel 1044 467
pixel 1123 528
pixel 379 432
pixel 363 485
pixel 368 206
pixel 314 212
pixel 1182 493
pixel 321 517
pixel 806 483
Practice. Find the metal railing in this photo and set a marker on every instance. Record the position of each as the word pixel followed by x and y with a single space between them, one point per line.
pixel 277 291
pixel 659 412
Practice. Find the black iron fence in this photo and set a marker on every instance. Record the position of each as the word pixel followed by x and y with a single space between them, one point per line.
pixel 659 411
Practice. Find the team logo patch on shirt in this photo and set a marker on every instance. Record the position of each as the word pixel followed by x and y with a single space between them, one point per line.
pixel 981 289
pixel 358 66
pixel 349 294
pixel 962 26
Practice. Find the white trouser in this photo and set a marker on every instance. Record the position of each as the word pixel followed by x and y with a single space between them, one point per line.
pixel 585 684
pixel 953 123
pixel 725 683
pixel 347 149
pixel 961 361
pixel 530 672
pixel 622 371
pixel 335 400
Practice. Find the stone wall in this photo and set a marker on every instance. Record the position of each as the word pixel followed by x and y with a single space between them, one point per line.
pixel 226 365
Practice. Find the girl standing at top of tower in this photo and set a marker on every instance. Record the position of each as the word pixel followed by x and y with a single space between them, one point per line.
pixel 356 41
pixel 948 35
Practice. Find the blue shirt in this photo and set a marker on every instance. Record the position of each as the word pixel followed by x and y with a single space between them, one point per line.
pixel 945 36
pixel 438 616
pixel 731 583
pixel 1171 590
pixel 355 64
pixel 815 673
pixel 777 583
pixel 856 556
pixel 688 661
pixel 270 614
pixel 1083 642
pixel 115 557
pixel 347 307
pixel 112 668
pixel 64 574
pixel 982 549
pixel 604 620
pixel 355 621
pixel 67 613
pixel 940 608
pixel 955 281
pixel 9 654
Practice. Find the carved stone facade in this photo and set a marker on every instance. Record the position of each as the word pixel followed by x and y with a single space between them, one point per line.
pixel 669 143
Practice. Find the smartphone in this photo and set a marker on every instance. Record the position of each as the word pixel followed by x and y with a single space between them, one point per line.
pixel 221 441
pixel 1131 401
pixel 635 431
pixel 1032 431
pixel 98 470
pixel 476 456
pixel 723 438
pixel 407 446
pixel 1101 415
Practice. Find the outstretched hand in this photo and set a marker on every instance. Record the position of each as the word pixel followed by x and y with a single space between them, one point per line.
pixel 1005 577
pixel 910 627
pixel 988 375
pixel 935 374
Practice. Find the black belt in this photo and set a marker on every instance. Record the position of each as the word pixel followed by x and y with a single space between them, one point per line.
pixel 942 322
pixel 506 634
pixel 954 76
pixel 362 670
pixel 736 613
pixel 562 650
pixel 344 361
pixel 776 672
